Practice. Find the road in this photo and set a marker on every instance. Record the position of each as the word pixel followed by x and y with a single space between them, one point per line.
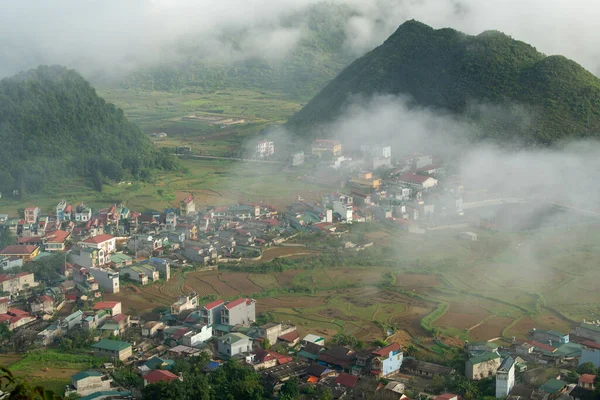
pixel 231 159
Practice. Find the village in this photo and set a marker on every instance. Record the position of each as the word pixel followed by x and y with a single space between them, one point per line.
pixel 103 250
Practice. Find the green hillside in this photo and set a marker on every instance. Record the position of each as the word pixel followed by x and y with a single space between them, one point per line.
pixel 553 97
pixel 53 127
pixel 317 58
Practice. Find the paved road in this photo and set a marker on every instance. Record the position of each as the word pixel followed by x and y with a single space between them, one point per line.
pixel 230 158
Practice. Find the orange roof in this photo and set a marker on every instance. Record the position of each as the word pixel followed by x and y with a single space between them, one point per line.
pixel 312 379
pixel 102 305
pixel 160 375
pixel 236 303
pixel 19 250
pixel 58 236
pixel 587 378
pixel 383 352
pixel 99 239
pixel 213 304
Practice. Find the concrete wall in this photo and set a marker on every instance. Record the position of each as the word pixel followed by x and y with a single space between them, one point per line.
pixel 108 280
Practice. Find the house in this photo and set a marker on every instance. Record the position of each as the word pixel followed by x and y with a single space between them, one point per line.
pixel 268 359
pixel 482 366
pixel 116 324
pixel 417 181
pixel 586 381
pixel 310 338
pixel 188 302
pixel 505 377
pixel 8 263
pixel 233 344
pixel 549 336
pixel 145 242
pixel 16 318
pixel 447 396
pixel 376 150
pixel 337 357
pixel 187 206
pixel 112 349
pixel 366 180
pixel 265 148
pixel 211 313
pixel 423 368
pixel 291 338
pixel 200 334
pixel 48 335
pixel 347 380
pixel 273 330
pixel 159 375
pixel 71 321
pixel 310 352
pixel 142 273
pixel 87 257
pixel 387 360
pixel 554 387
pixel 111 307
pixel 151 328
pixel 63 211
pixel 579 393
pixel 41 304
pixel 83 213
pixel 56 240
pixel 88 382
pixel 104 242
pixel 156 363
pixel 26 253
pixel 31 215
pixel 322 146
pixel 241 311
pixel 13 284
pixel 107 279
pixel 182 351
pixel 590 353
pixel 120 260
pixel 162 266
pixel 540 347
pixel 586 330
pixel 344 210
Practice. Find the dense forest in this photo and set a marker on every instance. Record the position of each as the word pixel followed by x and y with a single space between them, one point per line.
pixel 318 57
pixel 553 97
pixel 53 127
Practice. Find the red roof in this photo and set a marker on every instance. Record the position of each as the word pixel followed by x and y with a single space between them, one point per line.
pixel 188 199
pixel 45 298
pixel 290 337
pixel 5 317
pixel 413 178
pixel 102 305
pixel 25 240
pixel 57 236
pixel 179 333
pixel 5 300
pixel 99 239
pixel 16 312
pixel 385 351
pixel 160 375
pixel 213 304
pixel 236 303
pixel 447 396
pixel 18 249
pixel 347 380
pixel 119 317
pixel 542 346
pixel 589 343
pixel 587 378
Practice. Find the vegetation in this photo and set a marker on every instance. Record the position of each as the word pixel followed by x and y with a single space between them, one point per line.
pixel 54 127
pixel 543 99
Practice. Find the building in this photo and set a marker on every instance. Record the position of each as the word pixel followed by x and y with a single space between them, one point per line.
pixel 31 215
pixel 63 211
pixel 366 180
pixel 112 349
pixel 199 334
pixel 159 375
pixel 482 366
pixel 48 335
pixel 297 159
pixel 71 321
pixel 417 181
pixel 8 263
pixel 104 242
pixel 447 396
pixel 551 337
pixel 424 368
pixel 187 206
pixel 273 330
pixel 120 260
pixel 323 146
pixel 88 382
pixel 376 150
pixel 26 253
pixel 41 304
pixel 505 377
pixel 310 338
pixel 586 381
pixel 182 351
pixel 590 353
pixel 107 279
pixel 13 284
pixel 241 311
pixel 233 344
pixel 56 240
pixel 265 148
pixel 111 307
pixel 151 328
pixel 83 213
pixel 554 387
pixel 211 313
pixel 142 273
pixel 188 302
pixel 387 360
pixel 587 330
pixel 87 257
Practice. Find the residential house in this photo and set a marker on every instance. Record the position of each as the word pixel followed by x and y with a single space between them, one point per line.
pixel 120 260
pixel 200 334
pixel 171 220
pixel 159 375
pixel 203 254
pixel 142 273
pixel 586 330
pixel 211 312
pixel 145 242
pixel 83 278
pixel 417 181
pixel 71 321
pixel 107 279
pixel 13 284
pixel 187 206
pixel 424 368
pixel 41 304
pixel 337 357
pixel 505 377
pixel 265 148
pixel 482 366
pixel 554 387
pixel 87 257
pixel 32 214
pixel 48 335
pixel 264 359
pixel 8 263
pixel 162 266
pixel 366 180
pixel 387 360
pixel 344 210
pixel 241 311
pixel 104 242
pixel 26 253
pixel 187 302
pixel 553 338
pixel 16 318
pixel 112 349
pixel 233 344
pixel 310 352
pixel 590 353
pixel 347 380
pixel 96 320
pixel 116 325
pixel 63 211
pixel 56 240
pixel 291 338
pixel 586 381
pixel 83 213
pixel 111 307
pixel 88 382
pixel 310 338
pixel 151 328
pixel 579 393
pixel 273 330
pixel 182 351
pixel 156 363
pixel 324 146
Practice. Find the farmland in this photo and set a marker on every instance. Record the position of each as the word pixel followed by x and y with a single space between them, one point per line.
pixel 480 290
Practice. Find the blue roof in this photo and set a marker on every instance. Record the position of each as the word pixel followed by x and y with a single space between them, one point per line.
pixel 211 366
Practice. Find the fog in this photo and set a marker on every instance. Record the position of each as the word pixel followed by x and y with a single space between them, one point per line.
pixel 114 36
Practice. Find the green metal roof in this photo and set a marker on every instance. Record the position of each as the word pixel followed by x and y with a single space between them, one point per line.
pixel 85 374
pixel 551 332
pixel 308 355
pixel 111 345
pixel 118 257
pixel 553 386
pixel 234 337
pixel 106 393
pixel 483 358
pixel 569 350
pixel 222 327
pixel 591 327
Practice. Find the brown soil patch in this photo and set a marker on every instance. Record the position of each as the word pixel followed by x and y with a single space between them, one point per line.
pixel 136 303
pixel 222 288
pixel 490 329
pixel 274 252
pixel 54 373
pixel 411 319
pixel 417 280
pixel 267 304
pixel 240 281
pixel 362 276
pixel 522 328
pixel 286 278
pixel 334 313
pixel 458 320
pixel 201 287
pixel 402 337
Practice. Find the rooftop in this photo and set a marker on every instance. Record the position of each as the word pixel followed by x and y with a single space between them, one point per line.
pixel 99 239
pixel 233 337
pixel 587 378
pixel 478 359
pixel 58 236
pixel 111 345
pixel 347 380
pixel 160 375
pixel 236 303
pixel 413 178
pixel 102 305
pixel 18 250
pixel 553 386
pixel 385 351
pixel 213 304
pixel 85 374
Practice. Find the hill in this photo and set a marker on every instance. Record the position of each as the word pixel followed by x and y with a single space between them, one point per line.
pixel 450 70
pixel 54 128
pixel 318 57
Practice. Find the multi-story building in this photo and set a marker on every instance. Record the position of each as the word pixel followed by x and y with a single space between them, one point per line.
pixel 548 336
pixel 187 206
pixel 376 150
pixel 482 366
pixel 13 284
pixel 24 252
pixel 104 242
pixel 240 311
pixel 200 334
pixel 505 377
pixel 112 349
pixel 162 266
pixel 590 353
pixel 265 148
pixel 211 313
pixel 387 360
pixel 56 240
pixel 83 213
pixel 142 273
pixel 345 210
pixel 188 302
pixel 587 330
pixel 89 382
pixel 233 344
pixel 107 279
pixel 274 330
pixel 323 146
pixel 63 211
pixel 32 214
pixel 417 181
pixel 87 257
pixel 111 307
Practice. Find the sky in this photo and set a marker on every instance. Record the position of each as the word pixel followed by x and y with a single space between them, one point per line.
pixel 117 36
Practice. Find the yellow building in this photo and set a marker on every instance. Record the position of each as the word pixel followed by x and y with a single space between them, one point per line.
pixel 321 146
pixel 26 253
pixel 366 179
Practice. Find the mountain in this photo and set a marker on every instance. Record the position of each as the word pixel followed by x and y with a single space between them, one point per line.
pixel 54 128
pixel 318 57
pixel 446 69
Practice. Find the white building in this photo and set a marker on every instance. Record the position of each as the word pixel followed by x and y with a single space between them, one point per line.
pixel 107 279
pixel 265 148
pixel 376 151
pixel 199 335
pixel 104 242
pixel 505 377
pixel 417 181
pixel 345 210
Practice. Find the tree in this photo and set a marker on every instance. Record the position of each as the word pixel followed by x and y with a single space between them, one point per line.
pixel 164 390
pixel 586 368
pixel 266 345
pixel 290 390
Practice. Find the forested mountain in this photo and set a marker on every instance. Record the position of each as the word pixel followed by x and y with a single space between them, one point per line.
pixel 447 69
pixel 318 57
pixel 54 127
